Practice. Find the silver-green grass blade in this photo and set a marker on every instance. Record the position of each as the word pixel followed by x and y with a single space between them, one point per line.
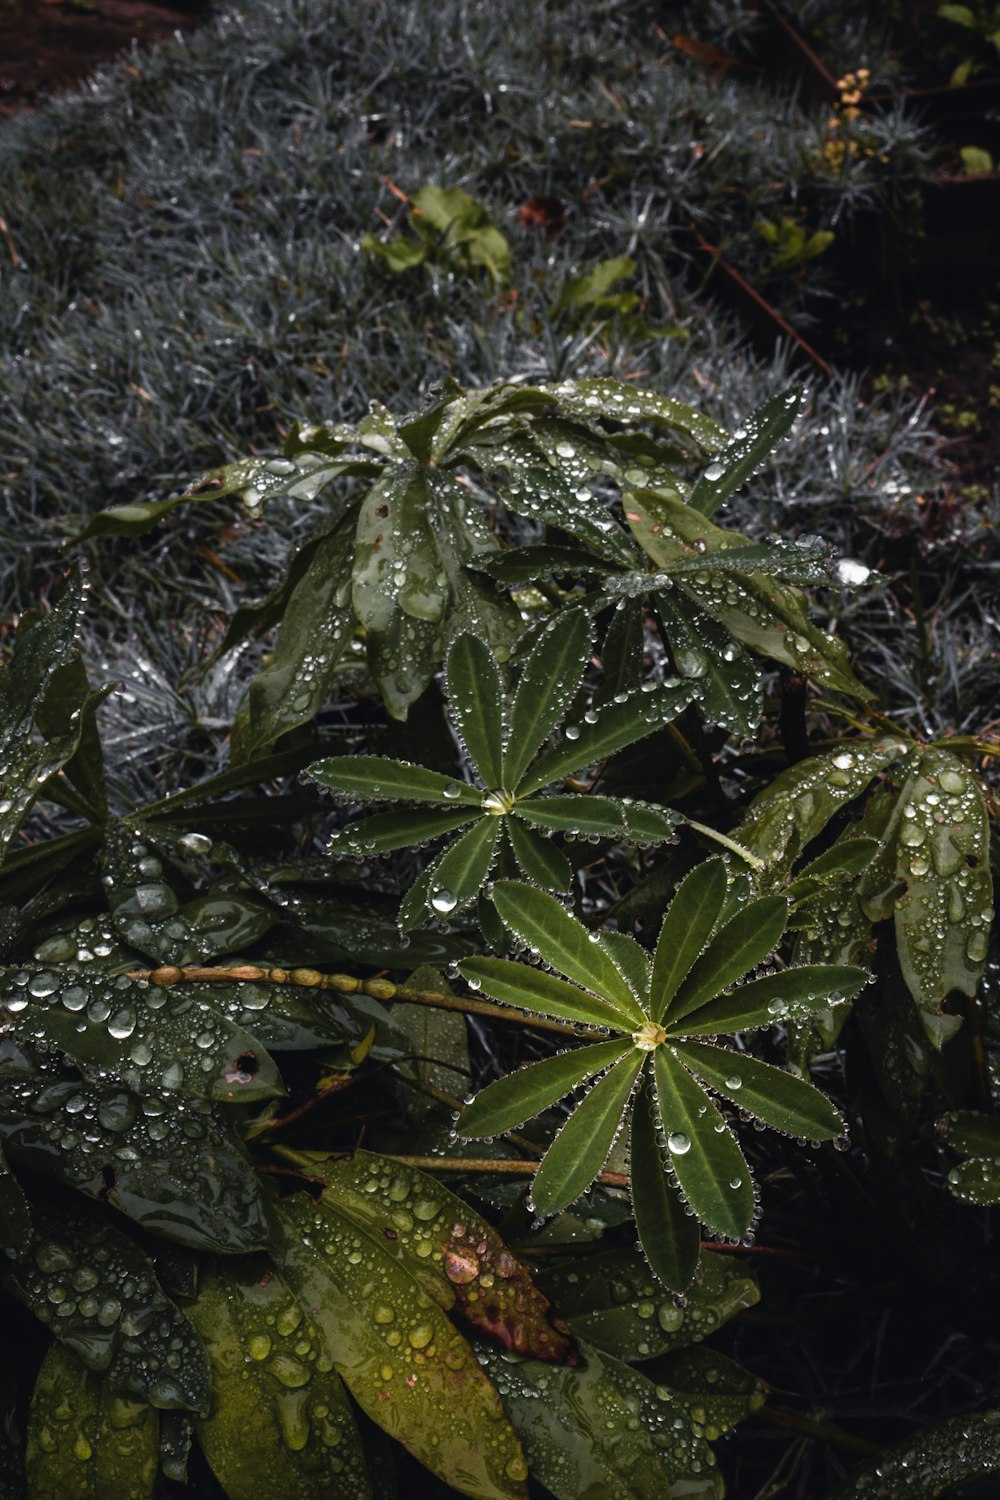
pixel 742 943
pixel 475 694
pixel 789 995
pixel 581 1148
pixel 768 1093
pixel 669 1235
pixel 371 778
pixel 539 859
pixel 688 924
pixel 543 923
pixel 535 990
pixel 708 1164
pixel 607 729
pixel 547 686
pixel 522 1095
pixel 384 832
pixel 462 870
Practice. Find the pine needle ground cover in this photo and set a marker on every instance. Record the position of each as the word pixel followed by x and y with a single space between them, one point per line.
pixel 496 806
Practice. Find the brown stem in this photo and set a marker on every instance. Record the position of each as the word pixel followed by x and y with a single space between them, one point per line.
pixel 347 984
pixel 495 1166
pixel 823 1431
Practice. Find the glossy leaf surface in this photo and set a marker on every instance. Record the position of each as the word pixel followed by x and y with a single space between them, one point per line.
pixel 510 1101
pixel 706 1160
pixel 581 1147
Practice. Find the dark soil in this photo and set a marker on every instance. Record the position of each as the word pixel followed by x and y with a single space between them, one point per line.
pixel 50 45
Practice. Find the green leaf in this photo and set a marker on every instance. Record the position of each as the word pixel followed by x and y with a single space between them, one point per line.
pixel 714 1390
pixel 581 1147
pixel 317 626
pixel 539 859
pixel 399 253
pixel 937 1460
pixel 612 1301
pixel 404 1363
pixel 601 1430
pixel 546 687
pixel 396 830
pixel 372 778
pixel 976 1181
pixel 512 1100
pixel 942 918
pixel 622 653
pixel 607 729
pixel 84 1441
pixel 461 871
pixel 98 1293
pixel 793 992
pixel 439 1044
pixel 623 402
pixel 282 1422
pixel 519 565
pixel 800 802
pixel 455 1254
pixel 705 652
pixel 535 990
pixel 608 817
pixel 475 695
pixel 543 923
pixel 630 958
pixel 688 924
pixel 742 943
pixel 973 1133
pixel 770 1094
pixel 594 285
pixel 708 1164
pixel 760 434
pixel 669 1236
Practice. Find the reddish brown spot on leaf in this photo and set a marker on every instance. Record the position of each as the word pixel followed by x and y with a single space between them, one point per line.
pixel 494 1292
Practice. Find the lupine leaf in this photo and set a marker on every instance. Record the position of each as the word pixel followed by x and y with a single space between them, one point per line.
pixel 761 433
pixel 938 1460
pixel 688 924
pixel 544 924
pixel 520 565
pixel 973 1133
pixel 613 726
pixel 714 1390
pixel 538 857
pixel 372 778
pixel 512 1100
pixel 475 695
pixel 621 401
pixel 535 990
pixel 707 1162
pixel 608 817
pixel 705 652
pixel 770 1094
pixel 546 687
pixel 463 868
pixel 282 1423
pixel 761 1002
pixel 383 832
pixel 669 1235
pixel 622 653
pixel 84 1441
pixel 738 946
pixel 630 958
pixel 976 1181
pixel 581 1147
pixel 404 1363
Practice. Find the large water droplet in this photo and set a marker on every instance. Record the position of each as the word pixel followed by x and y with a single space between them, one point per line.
pixel 678 1144
pixel 444 901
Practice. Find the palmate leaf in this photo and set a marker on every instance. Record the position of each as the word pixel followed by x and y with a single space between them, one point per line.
pixel 475 694
pixel 797 992
pixel 537 857
pixel 535 990
pixel 688 924
pixel 404 1363
pixel 703 650
pixel 510 1101
pixel 98 1293
pixel 669 1235
pixel 373 778
pixel 461 871
pixel 85 1442
pixel 738 946
pixel 770 1094
pixel 282 1422
pixel 608 817
pixel 396 830
pixel 705 1158
pixel 547 685
pixel 758 435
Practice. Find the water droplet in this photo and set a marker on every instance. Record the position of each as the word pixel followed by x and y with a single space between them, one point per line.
pixel 714 472
pixel 444 901
pixel 850 572
pixel 678 1143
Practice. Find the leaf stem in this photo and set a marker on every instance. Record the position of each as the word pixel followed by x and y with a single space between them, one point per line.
pixel 823 1431
pixel 348 984
pixel 727 843
pixel 498 1166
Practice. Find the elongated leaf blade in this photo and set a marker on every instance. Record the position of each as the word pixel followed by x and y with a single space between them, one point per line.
pixel 801 991
pixel 374 778
pixel 396 830
pixel 770 1094
pixel 631 958
pixel 426 1388
pixel 708 1164
pixel 475 694
pixel 535 990
pixel 669 1236
pixel 623 402
pixel 538 858
pixel 688 924
pixel 547 686
pixel 937 1460
pixel 608 817
pixel 543 923
pixel 622 653
pixel 519 565
pixel 282 1422
pixel 581 1148
pixel 742 943
pixel 613 726
pixel 705 652
pixel 84 1441
pixel 462 870
pixel 972 1132
pixel 761 432
pixel 520 1096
